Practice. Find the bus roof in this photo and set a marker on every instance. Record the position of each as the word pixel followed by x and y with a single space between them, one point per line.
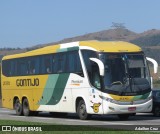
pixel 100 46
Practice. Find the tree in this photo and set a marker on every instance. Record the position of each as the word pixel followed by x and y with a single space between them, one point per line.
pixel 118 25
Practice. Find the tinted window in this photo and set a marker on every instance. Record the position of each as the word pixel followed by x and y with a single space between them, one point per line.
pixel 46 64
pixel 158 94
pixel 74 64
pixel 64 62
pixel 22 66
pixel 55 63
pixel 6 66
pixel 34 65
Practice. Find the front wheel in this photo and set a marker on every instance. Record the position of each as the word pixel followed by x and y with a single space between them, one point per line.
pixel 81 111
pixel 123 116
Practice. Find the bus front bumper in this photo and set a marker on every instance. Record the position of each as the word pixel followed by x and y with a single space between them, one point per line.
pixel 112 108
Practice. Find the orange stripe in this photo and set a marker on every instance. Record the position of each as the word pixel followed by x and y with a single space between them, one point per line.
pixel 75 84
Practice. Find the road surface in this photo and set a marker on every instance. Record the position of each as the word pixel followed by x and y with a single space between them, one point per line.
pixel 72 119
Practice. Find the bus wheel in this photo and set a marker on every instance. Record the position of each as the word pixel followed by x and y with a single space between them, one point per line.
pixel 18 107
pixel 26 110
pixel 123 116
pixel 156 111
pixel 81 111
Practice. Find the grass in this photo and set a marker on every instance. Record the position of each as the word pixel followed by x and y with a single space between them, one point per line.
pixel 66 129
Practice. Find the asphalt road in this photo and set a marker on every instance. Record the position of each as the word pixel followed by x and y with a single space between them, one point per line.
pixel 72 119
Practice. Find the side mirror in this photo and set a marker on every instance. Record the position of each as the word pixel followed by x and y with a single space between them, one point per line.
pixel 100 65
pixel 155 64
pixel 155 67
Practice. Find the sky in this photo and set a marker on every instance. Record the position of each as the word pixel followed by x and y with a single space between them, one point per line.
pixel 25 23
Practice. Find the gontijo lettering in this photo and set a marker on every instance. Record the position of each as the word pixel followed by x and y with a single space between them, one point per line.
pixel 27 82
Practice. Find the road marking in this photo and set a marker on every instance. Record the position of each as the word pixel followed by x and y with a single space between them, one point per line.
pixel 116 123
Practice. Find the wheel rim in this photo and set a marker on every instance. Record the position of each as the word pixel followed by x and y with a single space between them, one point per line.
pixel 82 110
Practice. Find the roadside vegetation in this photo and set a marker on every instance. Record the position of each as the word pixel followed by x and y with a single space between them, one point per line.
pixel 69 129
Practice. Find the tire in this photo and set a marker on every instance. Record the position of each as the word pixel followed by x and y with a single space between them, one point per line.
pixel 81 111
pixel 18 107
pixel 26 109
pixel 123 116
pixel 156 111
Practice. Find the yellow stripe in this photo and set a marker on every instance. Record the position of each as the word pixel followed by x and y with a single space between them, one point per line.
pixel 110 46
pixel 122 98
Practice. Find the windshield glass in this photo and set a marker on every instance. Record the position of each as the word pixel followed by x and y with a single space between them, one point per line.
pixel 125 74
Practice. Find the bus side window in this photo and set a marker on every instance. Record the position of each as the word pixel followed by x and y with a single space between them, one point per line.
pixel 74 64
pixel 55 63
pixel 31 67
pixel 47 62
pixel 62 63
pixel 21 67
pixel 6 67
pixel 13 71
pixel 71 63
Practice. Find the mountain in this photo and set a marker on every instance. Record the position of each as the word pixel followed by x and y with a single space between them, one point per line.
pixel 148 40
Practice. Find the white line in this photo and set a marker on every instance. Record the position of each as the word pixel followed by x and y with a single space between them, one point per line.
pixel 118 123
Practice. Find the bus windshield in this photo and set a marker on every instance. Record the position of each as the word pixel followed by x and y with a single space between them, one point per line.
pixel 125 74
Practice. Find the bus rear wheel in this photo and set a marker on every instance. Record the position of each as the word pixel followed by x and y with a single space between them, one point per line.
pixel 81 111
pixel 18 107
pixel 26 109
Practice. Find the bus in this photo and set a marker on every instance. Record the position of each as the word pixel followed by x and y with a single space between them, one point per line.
pixel 83 77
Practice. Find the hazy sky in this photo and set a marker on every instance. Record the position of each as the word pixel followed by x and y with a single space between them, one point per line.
pixel 24 23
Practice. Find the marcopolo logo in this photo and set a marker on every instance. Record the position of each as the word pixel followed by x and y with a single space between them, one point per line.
pixel 27 82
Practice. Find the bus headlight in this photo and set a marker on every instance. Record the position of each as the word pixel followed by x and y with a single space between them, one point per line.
pixel 109 99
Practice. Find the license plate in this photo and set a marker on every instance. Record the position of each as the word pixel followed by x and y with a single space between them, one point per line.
pixel 132 109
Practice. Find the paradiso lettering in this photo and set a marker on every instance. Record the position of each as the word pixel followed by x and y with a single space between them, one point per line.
pixel 27 82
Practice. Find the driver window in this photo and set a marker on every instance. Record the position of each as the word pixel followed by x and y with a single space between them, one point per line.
pixel 95 76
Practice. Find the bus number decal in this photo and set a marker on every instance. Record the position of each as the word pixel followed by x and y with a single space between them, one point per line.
pixel 6 83
pixel 96 107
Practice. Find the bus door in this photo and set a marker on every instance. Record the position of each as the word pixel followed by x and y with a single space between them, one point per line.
pixel 95 91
